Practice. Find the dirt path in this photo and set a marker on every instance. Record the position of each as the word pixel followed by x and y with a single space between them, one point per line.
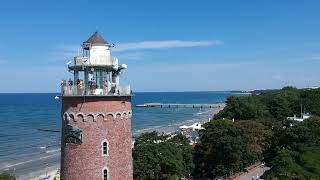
pixel 254 173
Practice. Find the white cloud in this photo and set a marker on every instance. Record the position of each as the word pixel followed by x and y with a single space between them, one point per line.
pixel 65 52
pixel 131 56
pixel 194 67
pixel 164 44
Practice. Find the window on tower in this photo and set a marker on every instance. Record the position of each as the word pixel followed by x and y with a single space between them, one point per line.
pixel 105 174
pixel 105 148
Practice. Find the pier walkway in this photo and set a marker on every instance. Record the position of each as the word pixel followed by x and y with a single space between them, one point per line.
pixel 160 105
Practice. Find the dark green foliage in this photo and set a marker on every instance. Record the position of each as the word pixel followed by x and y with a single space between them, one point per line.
pixel 226 147
pixel 243 107
pixel 261 132
pixel 304 133
pixel 311 100
pixel 257 137
pixel 276 104
pixel 295 151
pixel 6 176
pixel 162 157
pixel 290 147
pixel 302 164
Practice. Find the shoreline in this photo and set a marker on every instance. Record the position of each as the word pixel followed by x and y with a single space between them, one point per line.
pixel 172 128
pixel 34 168
pixel 50 164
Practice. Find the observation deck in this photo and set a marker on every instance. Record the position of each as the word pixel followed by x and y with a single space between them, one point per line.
pixel 74 90
pixel 95 72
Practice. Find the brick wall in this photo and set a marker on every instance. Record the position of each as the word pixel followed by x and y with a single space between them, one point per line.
pixel 86 161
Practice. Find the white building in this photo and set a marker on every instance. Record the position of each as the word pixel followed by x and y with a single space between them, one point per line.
pixel 300 119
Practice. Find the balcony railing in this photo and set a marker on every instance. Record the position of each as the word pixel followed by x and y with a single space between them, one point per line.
pixel 102 60
pixel 67 90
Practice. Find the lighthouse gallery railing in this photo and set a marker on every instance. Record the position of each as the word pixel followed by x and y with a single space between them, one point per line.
pixel 67 90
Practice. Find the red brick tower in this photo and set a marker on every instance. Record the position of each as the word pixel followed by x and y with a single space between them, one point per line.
pixel 96 117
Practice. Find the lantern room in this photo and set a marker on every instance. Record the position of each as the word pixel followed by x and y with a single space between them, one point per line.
pixel 95 72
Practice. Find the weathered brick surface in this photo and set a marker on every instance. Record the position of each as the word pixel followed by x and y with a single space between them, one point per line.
pixel 85 161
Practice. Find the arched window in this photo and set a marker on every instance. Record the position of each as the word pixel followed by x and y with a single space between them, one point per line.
pixel 100 117
pixel 118 116
pixel 72 117
pixel 80 117
pixel 105 148
pixel 90 118
pixel 66 118
pixel 105 174
pixel 110 117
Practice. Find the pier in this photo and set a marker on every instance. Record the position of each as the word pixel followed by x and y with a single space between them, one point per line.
pixel 169 105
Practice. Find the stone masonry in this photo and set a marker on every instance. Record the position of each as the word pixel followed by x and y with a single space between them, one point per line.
pixel 101 118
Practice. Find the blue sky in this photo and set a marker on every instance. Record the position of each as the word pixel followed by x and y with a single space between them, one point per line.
pixel 168 45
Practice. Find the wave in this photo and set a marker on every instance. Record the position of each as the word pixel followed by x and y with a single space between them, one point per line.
pixel 53 150
pixel 14 164
pixel 205 112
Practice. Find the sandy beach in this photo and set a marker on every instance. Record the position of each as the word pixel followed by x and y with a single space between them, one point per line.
pixel 35 167
pixel 51 173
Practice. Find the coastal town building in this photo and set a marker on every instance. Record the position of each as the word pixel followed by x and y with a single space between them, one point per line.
pixel 96 116
pixel 303 117
pixel 191 132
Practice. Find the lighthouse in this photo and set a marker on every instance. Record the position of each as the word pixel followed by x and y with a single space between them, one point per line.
pixel 96 116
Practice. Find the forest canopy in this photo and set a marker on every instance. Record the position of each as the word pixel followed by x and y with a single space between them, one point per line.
pixel 249 129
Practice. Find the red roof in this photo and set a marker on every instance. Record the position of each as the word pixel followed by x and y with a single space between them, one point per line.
pixel 96 38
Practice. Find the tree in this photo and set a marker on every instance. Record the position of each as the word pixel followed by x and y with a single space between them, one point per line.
pixel 244 108
pixel 6 176
pixel 304 133
pixel 290 164
pixel 162 157
pixel 257 138
pixel 311 101
pixel 226 147
pixel 276 104
pixel 220 150
pixel 288 146
pixel 296 151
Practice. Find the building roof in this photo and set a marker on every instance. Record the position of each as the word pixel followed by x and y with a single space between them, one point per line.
pixel 96 38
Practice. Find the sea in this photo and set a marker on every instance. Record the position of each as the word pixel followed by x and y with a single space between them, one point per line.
pixel 22 145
